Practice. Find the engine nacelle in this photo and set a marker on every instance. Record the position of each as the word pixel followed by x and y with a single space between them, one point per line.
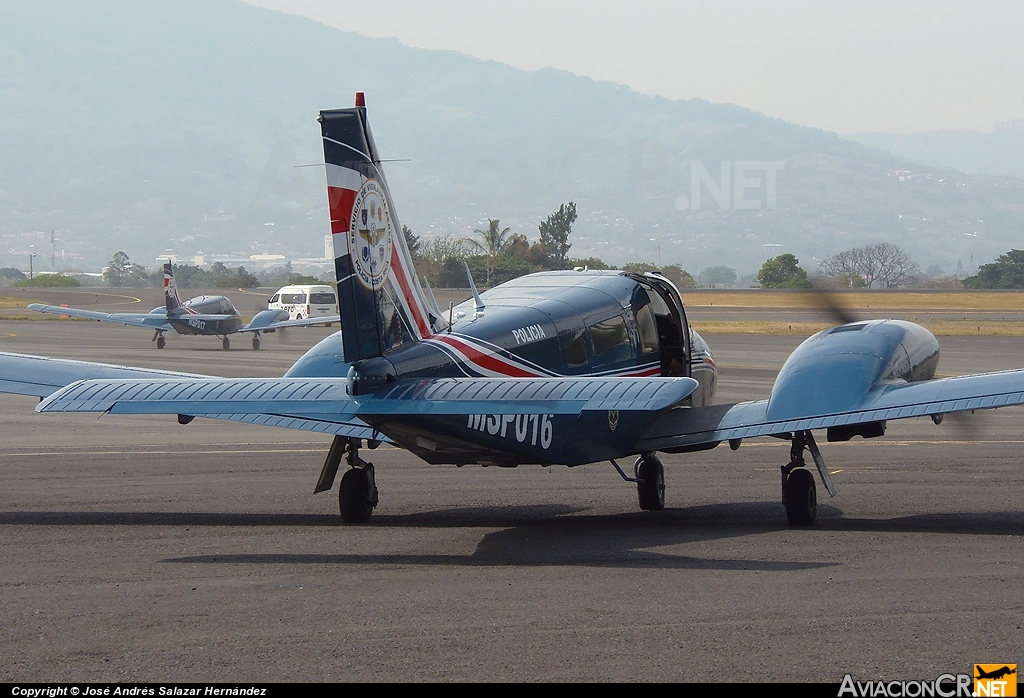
pixel 836 370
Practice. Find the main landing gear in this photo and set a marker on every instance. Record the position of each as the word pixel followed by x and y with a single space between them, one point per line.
pixel 650 482
pixel 225 344
pixel 357 494
pixel 158 337
pixel 256 341
pixel 799 493
pixel 649 476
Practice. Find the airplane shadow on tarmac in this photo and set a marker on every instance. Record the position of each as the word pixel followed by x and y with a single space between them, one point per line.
pixel 545 535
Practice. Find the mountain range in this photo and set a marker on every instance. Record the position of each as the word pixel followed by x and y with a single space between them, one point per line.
pixel 186 127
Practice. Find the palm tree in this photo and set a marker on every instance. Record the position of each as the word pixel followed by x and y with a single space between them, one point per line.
pixel 493 242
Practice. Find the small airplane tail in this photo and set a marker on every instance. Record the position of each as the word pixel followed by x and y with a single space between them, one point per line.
pixel 380 299
pixel 171 298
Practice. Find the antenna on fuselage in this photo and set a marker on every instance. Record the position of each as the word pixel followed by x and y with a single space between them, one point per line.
pixel 472 287
pixel 437 309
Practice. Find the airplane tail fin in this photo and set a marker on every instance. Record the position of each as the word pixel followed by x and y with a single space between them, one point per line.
pixel 171 297
pixel 379 295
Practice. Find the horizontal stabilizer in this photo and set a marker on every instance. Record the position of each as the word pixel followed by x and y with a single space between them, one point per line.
pixel 317 397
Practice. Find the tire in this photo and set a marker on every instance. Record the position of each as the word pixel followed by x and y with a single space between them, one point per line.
pixel 801 498
pixel 225 345
pixel 161 342
pixel 353 498
pixel 650 483
pixel 256 343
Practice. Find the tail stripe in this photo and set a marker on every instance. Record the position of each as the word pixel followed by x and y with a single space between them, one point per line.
pixel 406 294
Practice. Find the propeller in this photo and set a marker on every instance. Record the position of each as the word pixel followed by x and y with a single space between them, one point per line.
pixel 827 301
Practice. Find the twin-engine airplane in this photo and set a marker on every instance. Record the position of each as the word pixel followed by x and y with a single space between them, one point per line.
pixel 551 368
pixel 207 315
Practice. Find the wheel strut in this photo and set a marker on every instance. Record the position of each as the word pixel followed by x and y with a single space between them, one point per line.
pixel 799 494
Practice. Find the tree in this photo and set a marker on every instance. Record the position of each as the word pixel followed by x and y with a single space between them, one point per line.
pixel 412 242
pixel 50 281
pixel 554 234
pixel 1006 272
pixel 12 274
pixel 673 272
pixel 783 272
pixel 492 243
pixel 718 276
pixel 880 266
pixel 117 271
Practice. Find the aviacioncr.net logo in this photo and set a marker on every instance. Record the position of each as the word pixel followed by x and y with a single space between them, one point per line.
pixel 945 686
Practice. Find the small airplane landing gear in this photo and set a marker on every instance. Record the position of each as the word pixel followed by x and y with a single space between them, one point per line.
pixel 256 342
pixel 161 342
pixel 357 495
pixel 225 344
pixel 650 482
pixel 799 493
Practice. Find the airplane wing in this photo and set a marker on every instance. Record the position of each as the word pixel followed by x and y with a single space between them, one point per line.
pixel 39 376
pixel 155 321
pixel 22 374
pixel 327 398
pixel 257 326
pixel 684 428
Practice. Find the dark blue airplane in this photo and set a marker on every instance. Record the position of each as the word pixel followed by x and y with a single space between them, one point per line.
pixel 554 368
pixel 206 315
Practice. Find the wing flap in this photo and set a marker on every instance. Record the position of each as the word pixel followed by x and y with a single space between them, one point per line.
pixel 683 428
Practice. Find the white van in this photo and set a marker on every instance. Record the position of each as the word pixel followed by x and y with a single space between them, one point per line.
pixel 304 302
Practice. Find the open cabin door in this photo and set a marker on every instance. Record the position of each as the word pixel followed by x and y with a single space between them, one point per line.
pixel 673 330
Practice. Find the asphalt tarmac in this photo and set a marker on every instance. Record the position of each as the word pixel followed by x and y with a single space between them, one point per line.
pixel 136 549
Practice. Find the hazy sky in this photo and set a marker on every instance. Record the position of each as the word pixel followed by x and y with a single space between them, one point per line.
pixel 860 66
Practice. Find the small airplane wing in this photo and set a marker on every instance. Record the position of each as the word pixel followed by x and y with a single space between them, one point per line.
pixel 38 376
pixel 155 321
pixel 682 428
pixel 22 374
pixel 256 326
pixel 326 399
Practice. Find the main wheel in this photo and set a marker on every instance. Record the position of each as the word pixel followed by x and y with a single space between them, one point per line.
pixel 801 498
pixel 354 496
pixel 650 483
pixel 161 342
pixel 225 345
pixel 256 343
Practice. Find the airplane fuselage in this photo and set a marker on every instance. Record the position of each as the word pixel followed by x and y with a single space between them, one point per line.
pixel 189 318
pixel 551 325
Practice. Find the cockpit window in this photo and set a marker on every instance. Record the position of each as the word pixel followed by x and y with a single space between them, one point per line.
pixel 648 330
pixel 574 347
pixel 611 340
